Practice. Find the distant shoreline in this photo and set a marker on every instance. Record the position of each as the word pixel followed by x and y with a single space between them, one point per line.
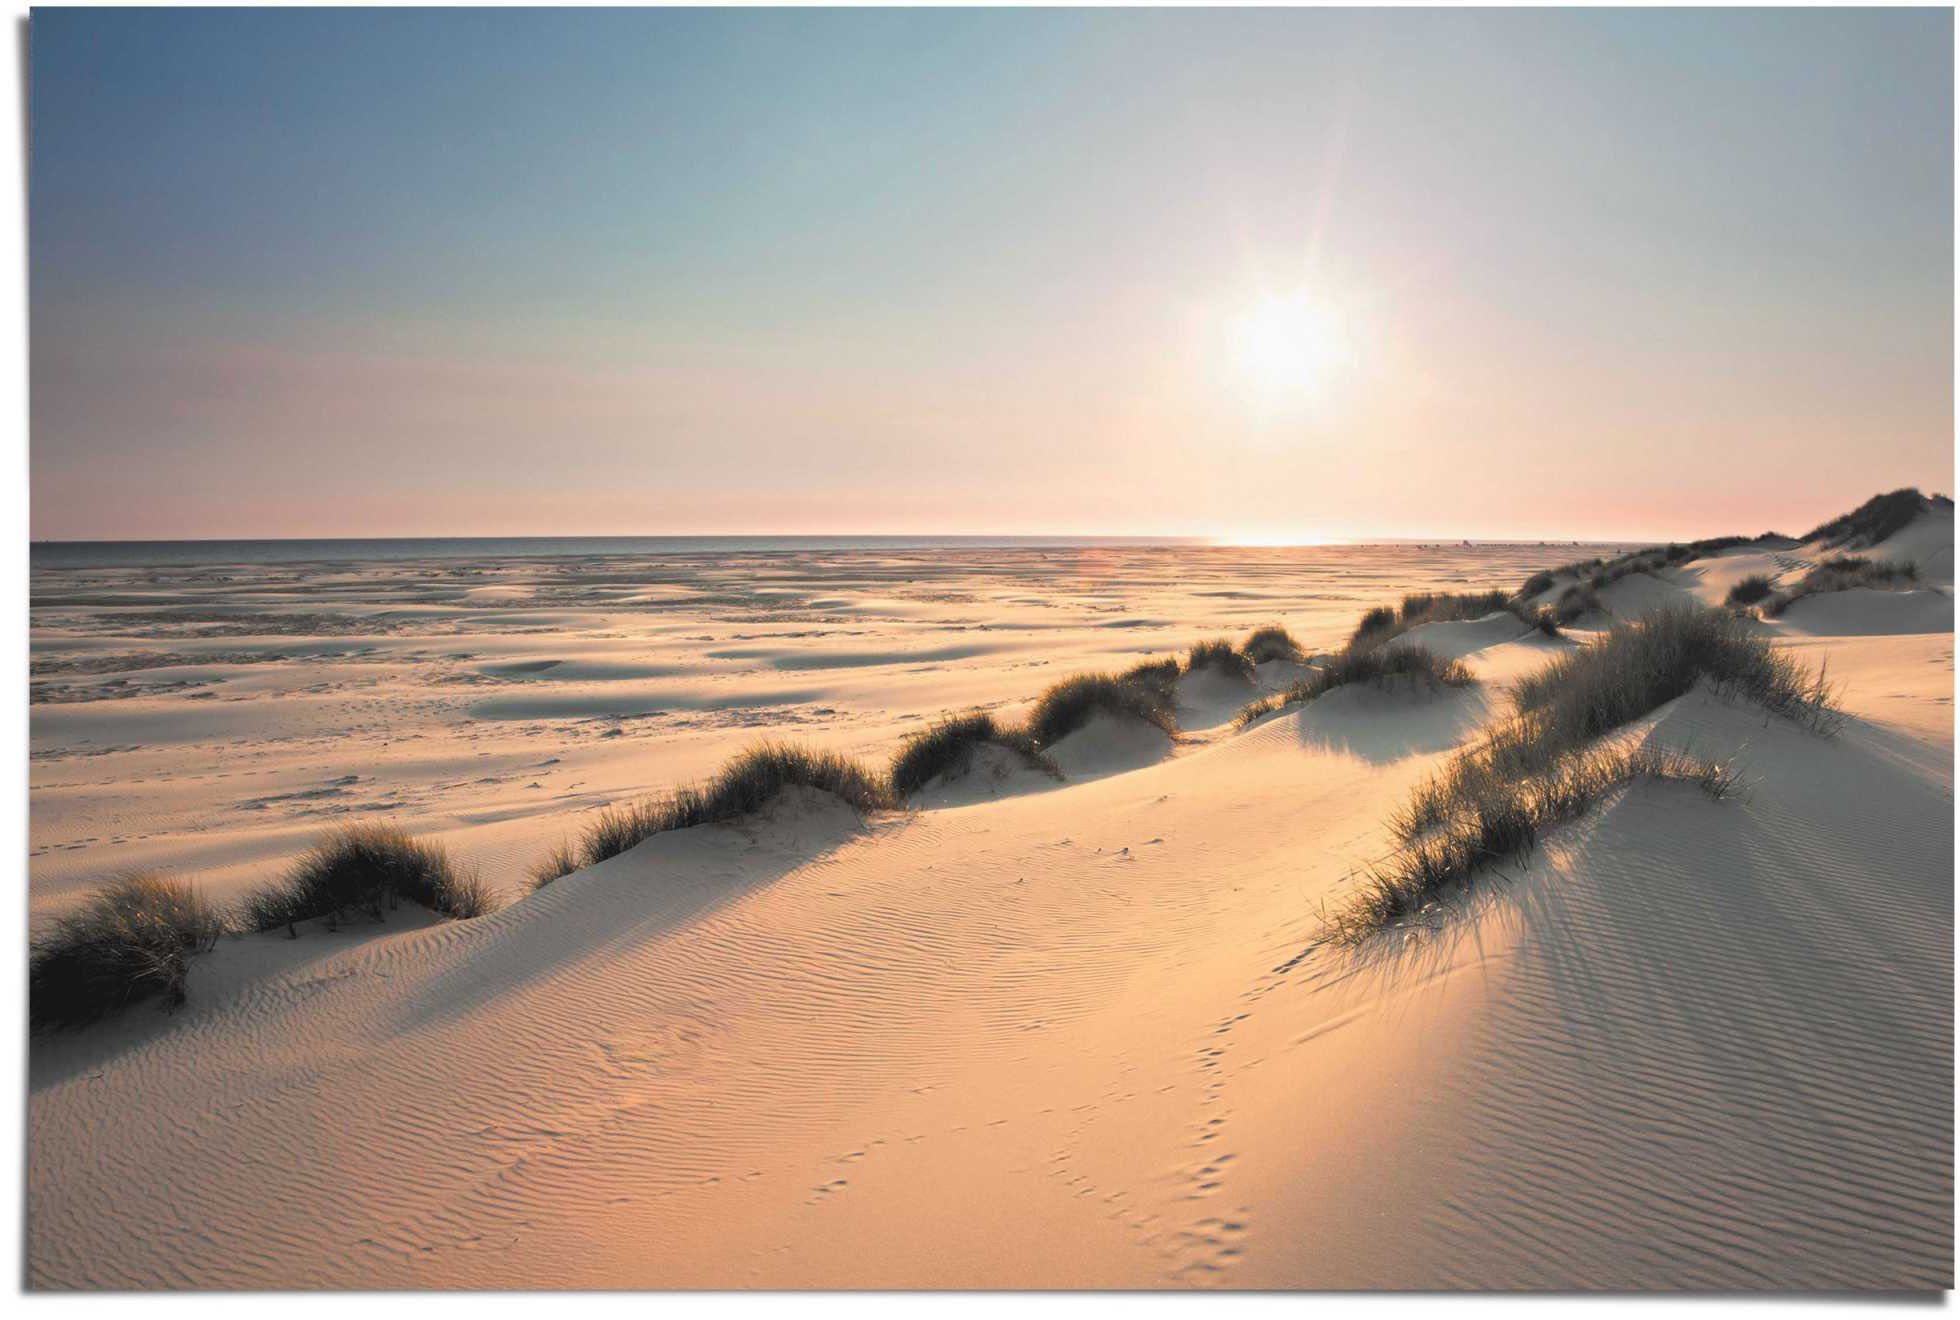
pixel 306 550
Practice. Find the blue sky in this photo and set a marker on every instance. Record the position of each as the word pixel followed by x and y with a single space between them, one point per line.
pixel 447 272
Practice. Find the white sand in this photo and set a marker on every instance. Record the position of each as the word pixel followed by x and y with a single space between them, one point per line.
pixel 1035 1035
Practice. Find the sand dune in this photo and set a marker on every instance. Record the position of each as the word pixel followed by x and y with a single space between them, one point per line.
pixel 1076 1034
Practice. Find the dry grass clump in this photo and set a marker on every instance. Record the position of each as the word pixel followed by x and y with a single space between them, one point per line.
pixel 560 862
pixel 742 787
pixel 1537 584
pixel 1143 693
pixel 1842 573
pixel 1545 620
pixel 1377 621
pixel 1543 765
pixel 132 940
pixel 1598 574
pixel 1751 589
pixel 1274 643
pixel 947 748
pixel 1878 519
pixel 1575 602
pixel 1158 676
pixel 366 868
pixel 1499 819
pixel 1220 655
pixel 1647 561
pixel 1378 665
pixel 1259 710
pixel 1418 664
pixel 1637 667
pixel 1382 624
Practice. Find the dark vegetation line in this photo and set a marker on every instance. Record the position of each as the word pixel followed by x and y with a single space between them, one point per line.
pixel 1418 666
pixel 1146 691
pixel 1552 759
pixel 134 938
pixel 1878 519
pixel 1839 573
pixel 364 870
pixel 1367 657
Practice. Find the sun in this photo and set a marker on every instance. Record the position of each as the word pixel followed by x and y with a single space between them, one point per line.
pixel 1290 346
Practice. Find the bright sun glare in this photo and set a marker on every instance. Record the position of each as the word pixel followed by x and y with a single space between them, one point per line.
pixel 1288 346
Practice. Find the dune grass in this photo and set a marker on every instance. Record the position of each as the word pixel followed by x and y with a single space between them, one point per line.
pixel 1271 643
pixel 1636 667
pixel 1878 519
pixel 1575 602
pixel 1537 584
pixel 1221 656
pixel 947 748
pixel 740 788
pixel 1141 693
pixel 132 940
pixel 1543 618
pixel 1545 764
pixel 1843 573
pixel 1498 820
pixel 365 869
pixel 1157 676
pixel 1598 574
pixel 561 861
pixel 1381 625
pixel 1378 665
pixel 1754 588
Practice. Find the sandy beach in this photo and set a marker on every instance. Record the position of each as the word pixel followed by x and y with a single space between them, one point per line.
pixel 1029 1031
pixel 765 650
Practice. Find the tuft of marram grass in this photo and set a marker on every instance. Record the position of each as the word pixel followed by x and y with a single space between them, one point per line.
pixel 132 940
pixel 742 787
pixel 1157 676
pixel 1381 625
pixel 1575 602
pixel 366 869
pixel 1843 573
pixel 1543 618
pixel 1494 820
pixel 947 748
pixel 1755 587
pixel 1381 666
pixel 1219 655
pixel 1630 672
pixel 1877 519
pixel 1636 667
pixel 556 864
pixel 1537 584
pixel 1417 664
pixel 1140 694
pixel 1271 643
pixel 1258 710
pixel 1377 625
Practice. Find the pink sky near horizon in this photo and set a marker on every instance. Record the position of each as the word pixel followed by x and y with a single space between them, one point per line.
pixel 1596 275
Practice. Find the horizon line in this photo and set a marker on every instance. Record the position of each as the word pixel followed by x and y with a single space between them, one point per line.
pixel 1215 540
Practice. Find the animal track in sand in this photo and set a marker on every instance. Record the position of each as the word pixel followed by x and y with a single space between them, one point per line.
pixel 1212 1244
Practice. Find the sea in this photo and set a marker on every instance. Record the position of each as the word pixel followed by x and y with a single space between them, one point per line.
pixel 144 554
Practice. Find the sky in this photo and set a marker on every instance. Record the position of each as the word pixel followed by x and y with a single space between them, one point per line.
pixel 1257 274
